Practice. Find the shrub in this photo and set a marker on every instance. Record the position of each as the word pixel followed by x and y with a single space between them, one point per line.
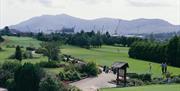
pixel 69 75
pixel 135 82
pixel 30 48
pixel 157 81
pixel 73 88
pixel 91 69
pixel 70 67
pixel 12 56
pixel 4 75
pixel 177 79
pixel 10 46
pixel 10 84
pixel 40 51
pixel 11 66
pixel 27 54
pixel 61 76
pixel 133 75
pixel 50 84
pixel 76 76
pixel 145 77
pixel 49 64
pixel 7 72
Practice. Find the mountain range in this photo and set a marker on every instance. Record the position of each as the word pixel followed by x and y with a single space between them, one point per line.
pixel 54 23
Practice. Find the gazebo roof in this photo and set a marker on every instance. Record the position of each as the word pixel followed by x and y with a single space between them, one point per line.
pixel 121 65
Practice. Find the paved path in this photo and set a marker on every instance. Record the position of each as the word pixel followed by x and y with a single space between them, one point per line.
pixel 1 89
pixel 94 83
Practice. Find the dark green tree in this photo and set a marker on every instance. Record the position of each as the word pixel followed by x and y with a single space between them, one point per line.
pixel 1 39
pixel 6 31
pixel 173 51
pixel 157 51
pixel 18 53
pixel 51 50
pixel 27 78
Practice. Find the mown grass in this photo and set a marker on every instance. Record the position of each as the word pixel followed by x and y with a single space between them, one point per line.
pixel 110 54
pixel 25 42
pixel 7 52
pixel 102 56
pixel 22 41
pixel 175 87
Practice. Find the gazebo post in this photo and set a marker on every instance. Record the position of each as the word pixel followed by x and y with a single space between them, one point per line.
pixel 117 76
pixel 125 77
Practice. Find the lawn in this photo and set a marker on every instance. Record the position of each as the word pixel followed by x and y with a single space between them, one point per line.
pixel 102 56
pixel 25 42
pixel 7 52
pixel 110 54
pixel 175 87
pixel 22 41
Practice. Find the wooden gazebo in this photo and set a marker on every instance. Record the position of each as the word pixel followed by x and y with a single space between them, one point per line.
pixel 120 69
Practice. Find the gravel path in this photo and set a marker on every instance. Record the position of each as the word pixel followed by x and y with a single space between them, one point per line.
pixel 94 83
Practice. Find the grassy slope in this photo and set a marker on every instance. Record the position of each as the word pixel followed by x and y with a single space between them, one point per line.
pixel 23 41
pixel 109 54
pixel 104 56
pixel 147 88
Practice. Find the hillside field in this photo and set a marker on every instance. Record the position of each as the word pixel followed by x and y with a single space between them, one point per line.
pixel 107 55
pixel 102 56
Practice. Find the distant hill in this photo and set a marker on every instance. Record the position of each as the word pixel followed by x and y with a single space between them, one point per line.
pixel 52 23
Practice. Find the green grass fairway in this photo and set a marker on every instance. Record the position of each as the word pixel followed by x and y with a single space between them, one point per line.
pixel 5 54
pixel 103 56
pixel 22 41
pixel 147 88
pixel 109 54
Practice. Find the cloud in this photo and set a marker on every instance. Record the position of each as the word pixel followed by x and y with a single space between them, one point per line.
pixel 65 3
pixel 46 2
pixel 94 1
pixel 149 3
pixel 43 2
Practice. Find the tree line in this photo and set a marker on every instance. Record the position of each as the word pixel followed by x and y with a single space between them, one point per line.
pixel 157 52
pixel 88 39
pixel 1 39
pixel 81 39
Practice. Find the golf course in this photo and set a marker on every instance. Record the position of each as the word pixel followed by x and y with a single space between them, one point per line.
pixel 106 55
pixel 90 45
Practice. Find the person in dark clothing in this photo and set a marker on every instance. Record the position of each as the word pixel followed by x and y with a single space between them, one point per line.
pixel 165 68
pixel 104 68
pixel 162 68
pixel 150 67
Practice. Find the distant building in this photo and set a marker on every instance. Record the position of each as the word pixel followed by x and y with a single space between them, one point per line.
pixel 131 35
pixel 68 30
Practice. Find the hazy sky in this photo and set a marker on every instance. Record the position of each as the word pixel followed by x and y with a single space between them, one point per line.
pixel 15 11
